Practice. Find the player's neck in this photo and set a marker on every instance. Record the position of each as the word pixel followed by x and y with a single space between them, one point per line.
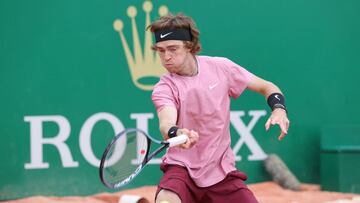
pixel 190 66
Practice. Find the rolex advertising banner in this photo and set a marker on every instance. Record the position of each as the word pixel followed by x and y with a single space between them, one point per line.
pixel 74 73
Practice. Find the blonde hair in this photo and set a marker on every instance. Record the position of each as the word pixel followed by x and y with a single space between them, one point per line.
pixel 179 21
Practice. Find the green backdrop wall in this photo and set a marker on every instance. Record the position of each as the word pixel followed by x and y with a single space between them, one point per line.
pixel 66 84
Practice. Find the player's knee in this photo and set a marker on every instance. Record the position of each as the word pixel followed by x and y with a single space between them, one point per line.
pixel 167 196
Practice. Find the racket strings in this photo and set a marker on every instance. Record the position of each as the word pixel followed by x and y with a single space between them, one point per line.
pixel 124 156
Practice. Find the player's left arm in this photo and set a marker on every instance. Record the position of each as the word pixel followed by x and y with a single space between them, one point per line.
pixel 275 100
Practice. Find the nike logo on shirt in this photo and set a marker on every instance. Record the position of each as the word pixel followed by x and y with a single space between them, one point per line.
pixel 213 86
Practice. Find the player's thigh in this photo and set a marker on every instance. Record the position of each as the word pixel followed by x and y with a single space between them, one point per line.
pixel 177 180
pixel 243 195
pixel 231 189
pixel 165 196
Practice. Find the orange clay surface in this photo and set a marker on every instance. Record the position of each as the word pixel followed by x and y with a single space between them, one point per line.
pixel 266 192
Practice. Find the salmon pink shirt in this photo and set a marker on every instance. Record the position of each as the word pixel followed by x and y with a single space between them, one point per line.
pixel 203 104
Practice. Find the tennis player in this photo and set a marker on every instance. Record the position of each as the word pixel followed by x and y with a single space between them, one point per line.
pixel 193 98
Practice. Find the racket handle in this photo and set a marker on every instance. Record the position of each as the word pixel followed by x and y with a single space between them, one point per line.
pixel 181 139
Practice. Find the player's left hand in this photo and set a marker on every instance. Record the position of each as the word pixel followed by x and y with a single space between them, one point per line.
pixel 193 137
pixel 279 117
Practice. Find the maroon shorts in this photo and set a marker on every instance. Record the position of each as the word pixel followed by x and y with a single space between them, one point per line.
pixel 231 189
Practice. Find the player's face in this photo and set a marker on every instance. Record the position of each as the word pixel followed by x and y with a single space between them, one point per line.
pixel 173 54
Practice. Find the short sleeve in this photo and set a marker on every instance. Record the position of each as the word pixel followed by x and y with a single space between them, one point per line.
pixel 164 95
pixel 238 78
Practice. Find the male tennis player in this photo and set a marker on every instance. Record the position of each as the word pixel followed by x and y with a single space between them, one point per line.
pixel 193 98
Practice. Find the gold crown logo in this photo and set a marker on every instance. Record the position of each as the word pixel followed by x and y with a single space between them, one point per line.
pixel 145 66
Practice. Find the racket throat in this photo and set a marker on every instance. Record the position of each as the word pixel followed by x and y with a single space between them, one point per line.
pixel 156 152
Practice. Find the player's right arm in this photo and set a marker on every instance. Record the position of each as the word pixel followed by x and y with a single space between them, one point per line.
pixel 167 119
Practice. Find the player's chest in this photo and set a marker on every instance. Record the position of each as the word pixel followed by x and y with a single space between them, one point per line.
pixel 207 89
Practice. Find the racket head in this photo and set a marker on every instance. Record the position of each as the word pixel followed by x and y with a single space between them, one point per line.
pixel 124 157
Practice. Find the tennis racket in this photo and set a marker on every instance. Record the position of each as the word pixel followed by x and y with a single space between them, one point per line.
pixel 128 153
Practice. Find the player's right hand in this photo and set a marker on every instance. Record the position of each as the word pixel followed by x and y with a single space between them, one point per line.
pixel 193 137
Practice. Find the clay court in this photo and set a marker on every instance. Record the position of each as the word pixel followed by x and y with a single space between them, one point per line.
pixel 266 192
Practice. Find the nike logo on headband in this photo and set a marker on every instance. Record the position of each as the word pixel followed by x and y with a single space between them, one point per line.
pixel 162 36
